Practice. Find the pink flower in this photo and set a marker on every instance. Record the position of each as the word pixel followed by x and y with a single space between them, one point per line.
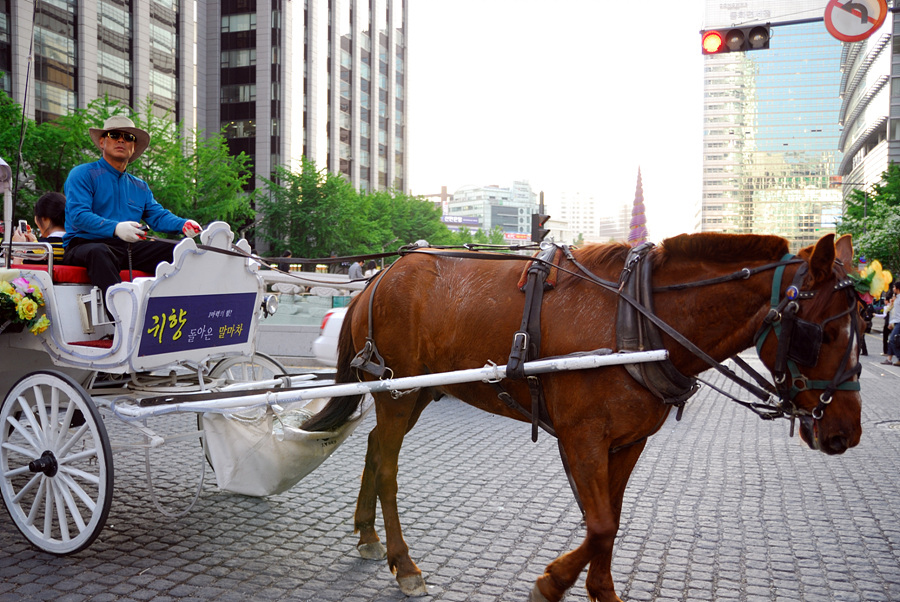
pixel 23 286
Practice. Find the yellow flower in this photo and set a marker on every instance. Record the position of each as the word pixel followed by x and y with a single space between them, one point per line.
pixel 40 326
pixel 27 309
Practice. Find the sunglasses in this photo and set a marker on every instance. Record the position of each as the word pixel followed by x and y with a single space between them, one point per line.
pixel 124 135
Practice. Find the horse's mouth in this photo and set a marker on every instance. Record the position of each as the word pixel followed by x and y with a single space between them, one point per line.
pixel 809 432
pixel 834 445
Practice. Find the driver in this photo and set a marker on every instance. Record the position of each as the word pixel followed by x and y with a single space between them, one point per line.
pixel 104 206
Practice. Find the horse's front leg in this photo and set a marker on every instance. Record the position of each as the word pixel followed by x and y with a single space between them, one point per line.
pixel 369 546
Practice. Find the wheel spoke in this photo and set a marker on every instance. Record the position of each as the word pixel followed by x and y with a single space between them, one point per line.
pixel 38 501
pixel 64 484
pixel 30 454
pixel 75 438
pixel 32 422
pixel 46 428
pixel 35 480
pixel 59 504
pixel 93 479
pixel 25 432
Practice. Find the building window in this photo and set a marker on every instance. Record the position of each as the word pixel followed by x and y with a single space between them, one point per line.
pixel 239 93
pixel 233 23
pixel 239 58
pixel 244 128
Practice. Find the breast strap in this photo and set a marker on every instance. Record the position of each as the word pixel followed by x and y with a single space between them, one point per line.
pixel 634 332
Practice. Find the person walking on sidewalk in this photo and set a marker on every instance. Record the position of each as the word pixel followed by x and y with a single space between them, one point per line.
pixel 893 349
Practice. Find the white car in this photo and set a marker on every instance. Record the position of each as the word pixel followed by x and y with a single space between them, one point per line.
pixel 326 345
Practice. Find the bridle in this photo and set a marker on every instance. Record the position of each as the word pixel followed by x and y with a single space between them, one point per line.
pixel 799 342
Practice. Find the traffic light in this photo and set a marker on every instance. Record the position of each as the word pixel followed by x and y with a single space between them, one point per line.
pixel 735 39
pixel 538 231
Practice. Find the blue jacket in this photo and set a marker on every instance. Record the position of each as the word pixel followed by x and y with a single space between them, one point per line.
pixel 99 196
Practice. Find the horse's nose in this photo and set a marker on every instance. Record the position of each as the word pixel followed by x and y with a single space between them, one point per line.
pixel 836 445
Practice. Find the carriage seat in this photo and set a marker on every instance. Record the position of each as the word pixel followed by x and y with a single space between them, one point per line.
pixel 73 274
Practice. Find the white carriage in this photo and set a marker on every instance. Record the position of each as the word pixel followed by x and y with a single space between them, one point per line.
pixel 185 335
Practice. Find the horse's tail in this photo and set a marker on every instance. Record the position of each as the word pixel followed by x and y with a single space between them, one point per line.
pixel 339 409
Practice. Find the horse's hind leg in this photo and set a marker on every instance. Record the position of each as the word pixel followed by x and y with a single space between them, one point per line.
pixel 395 418
pixel 369 545
pixel 601 486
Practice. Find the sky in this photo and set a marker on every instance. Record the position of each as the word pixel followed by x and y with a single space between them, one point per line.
pixel 571 95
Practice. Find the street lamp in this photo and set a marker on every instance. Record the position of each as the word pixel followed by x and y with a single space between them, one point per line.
pixel 865 199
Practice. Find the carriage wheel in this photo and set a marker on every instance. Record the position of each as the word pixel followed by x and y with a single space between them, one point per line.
pixel 56 468
pixel 244 369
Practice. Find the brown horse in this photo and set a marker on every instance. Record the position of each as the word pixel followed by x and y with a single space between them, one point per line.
pixel 434 312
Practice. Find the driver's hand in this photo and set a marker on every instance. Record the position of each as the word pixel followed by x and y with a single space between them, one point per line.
pixel 191 228
pixel 129 231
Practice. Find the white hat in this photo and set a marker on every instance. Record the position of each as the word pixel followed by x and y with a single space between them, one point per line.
pixel 123 124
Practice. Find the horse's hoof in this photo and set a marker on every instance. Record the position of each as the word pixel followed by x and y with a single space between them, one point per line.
pixel 372 551
pixel 536 595
pixel 413 585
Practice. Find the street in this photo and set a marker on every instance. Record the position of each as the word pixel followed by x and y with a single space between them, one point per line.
pixel 721 506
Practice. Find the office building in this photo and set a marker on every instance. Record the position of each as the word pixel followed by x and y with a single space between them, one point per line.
pixel 492 206
pixel 771 128
pixel 870 107
pixel 321 78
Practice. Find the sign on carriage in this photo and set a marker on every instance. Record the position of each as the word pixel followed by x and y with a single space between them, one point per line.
pixel 174 324
pixel 854 20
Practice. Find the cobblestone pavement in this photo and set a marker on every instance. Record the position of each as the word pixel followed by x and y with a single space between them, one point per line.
pixel 722 506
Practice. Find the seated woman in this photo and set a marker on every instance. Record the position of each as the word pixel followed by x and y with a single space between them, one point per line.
pixel 50 218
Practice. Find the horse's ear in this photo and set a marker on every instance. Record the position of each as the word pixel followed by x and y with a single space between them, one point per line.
pixel 844 248
pixel 822 259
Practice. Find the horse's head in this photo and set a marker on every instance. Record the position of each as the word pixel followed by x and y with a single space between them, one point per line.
pixel 810 343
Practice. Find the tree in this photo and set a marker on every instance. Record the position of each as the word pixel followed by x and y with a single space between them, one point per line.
pixel 873 219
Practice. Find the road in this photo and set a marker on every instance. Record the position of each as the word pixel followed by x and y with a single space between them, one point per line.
pixel 722 506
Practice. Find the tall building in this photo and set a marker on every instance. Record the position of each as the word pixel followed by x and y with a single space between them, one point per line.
pixel 322 78
pixel 870 107
pixel 771 129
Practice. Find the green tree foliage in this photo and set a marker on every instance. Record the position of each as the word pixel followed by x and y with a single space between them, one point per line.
pixel 873 219
pixel 317 214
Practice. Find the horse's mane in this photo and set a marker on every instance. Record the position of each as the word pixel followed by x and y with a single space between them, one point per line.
pixel 714 246
pixel 708 246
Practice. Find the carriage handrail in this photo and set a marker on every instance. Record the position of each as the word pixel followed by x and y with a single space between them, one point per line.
pixel 488 373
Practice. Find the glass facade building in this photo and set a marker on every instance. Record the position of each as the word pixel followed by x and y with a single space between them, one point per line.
pixel 770 140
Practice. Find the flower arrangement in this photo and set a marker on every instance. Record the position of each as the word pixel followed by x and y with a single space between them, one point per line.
pixel 871 281
pixel 20 303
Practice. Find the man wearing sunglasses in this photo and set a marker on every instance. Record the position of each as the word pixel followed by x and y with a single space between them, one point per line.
pixel 105 205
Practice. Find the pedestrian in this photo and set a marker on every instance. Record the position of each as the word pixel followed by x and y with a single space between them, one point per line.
pixel 893 349
pixel 886 304
pixel 285 266
pixel 371 268
pixel 866 311
pixel 105 206
pixel 50 219
pixel 356 270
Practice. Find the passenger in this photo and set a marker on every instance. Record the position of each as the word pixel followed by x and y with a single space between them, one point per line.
pixel 106 204
pixel 50 219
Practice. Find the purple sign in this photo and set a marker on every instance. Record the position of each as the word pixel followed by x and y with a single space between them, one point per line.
pixel 196 322
pixel 462 220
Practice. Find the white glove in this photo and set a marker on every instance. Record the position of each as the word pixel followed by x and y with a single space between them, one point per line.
pixel 191 228
pixel 129 231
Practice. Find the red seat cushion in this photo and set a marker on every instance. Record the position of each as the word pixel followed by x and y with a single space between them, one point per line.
pixel 73 274
pixel 101 344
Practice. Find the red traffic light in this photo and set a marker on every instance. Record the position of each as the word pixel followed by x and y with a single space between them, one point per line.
pixel 735 39
pixel 712 42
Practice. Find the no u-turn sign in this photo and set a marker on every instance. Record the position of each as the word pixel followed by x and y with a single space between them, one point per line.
pixel 854 20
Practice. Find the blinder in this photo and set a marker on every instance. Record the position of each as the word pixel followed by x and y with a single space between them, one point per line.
pixel 805 342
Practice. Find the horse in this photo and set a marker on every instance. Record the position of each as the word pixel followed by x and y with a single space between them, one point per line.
pixel 434 311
